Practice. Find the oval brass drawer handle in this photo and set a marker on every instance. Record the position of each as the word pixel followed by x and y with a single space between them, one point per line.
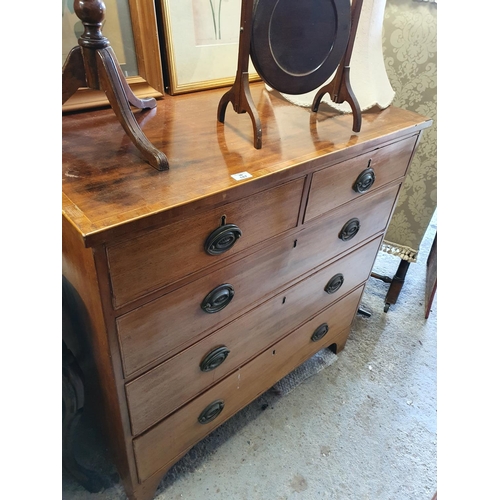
pixel 211 412
pixel 320 332
pixel 222 239
pixel 214 358
pixel 365 180
pixel 218 298
pixel 334 283
pixel 350 229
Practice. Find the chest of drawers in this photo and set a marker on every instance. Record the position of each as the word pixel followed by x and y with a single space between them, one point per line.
pixel 202 286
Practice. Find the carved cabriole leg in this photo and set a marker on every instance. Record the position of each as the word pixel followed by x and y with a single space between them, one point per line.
pixel 112 85
pixel 147 103
pixel 73 74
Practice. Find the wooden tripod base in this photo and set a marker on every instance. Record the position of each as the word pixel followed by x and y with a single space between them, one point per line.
pixel 93 64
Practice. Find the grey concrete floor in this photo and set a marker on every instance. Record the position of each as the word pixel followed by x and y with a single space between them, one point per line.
pixel 362 428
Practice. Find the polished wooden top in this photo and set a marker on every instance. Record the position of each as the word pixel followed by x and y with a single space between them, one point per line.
pixel 109 190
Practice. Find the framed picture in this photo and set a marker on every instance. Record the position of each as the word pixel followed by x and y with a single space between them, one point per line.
pixel 201 40
pixel 131 28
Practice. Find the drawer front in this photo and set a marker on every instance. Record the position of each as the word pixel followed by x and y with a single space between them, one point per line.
pixel 338 184
pixel 164 444
pixel 353 223
pixel 146 263
pixel 162 390
pixel 174 321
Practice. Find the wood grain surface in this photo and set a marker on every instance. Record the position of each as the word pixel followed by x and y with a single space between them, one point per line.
pixel 109 191
pixel 160 257
pixel 333 186
pixel 133 249
pixel 170 439
pixel 144 332
pixel 162 390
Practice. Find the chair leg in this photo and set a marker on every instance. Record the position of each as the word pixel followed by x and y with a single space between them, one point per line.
pixel 396 283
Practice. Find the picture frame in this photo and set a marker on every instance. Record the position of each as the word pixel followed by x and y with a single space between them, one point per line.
pixel 131 28
pixel 201 44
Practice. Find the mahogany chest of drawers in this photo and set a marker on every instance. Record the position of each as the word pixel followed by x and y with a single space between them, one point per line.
pixel 201 286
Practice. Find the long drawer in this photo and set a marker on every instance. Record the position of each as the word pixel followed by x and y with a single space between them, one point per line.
pixel 172 322
pixel 148 262
pixel 165 388
pixel 346 181
pixel 170 439
pixel 175 320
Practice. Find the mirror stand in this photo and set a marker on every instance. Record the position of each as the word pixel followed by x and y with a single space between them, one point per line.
pixel 93 64
pixel 339 88
pixel 239 94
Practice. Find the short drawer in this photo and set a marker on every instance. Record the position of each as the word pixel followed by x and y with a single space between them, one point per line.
pixel 162 390
pixel 338 184
pixel 352 223
pixel 164 444
pixel 163 256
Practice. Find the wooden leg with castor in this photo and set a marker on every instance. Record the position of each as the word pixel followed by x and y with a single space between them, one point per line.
pixel 396 285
